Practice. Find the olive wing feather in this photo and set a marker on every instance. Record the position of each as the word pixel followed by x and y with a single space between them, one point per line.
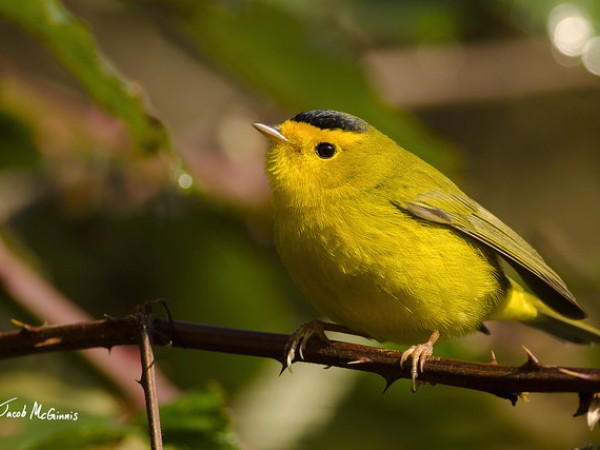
pixel 467 216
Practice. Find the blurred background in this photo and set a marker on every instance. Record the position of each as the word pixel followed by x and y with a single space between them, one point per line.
pixel 129 171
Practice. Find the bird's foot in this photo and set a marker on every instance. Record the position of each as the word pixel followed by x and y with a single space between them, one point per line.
pixel 315 328
pixel 419 354
pixel 299 340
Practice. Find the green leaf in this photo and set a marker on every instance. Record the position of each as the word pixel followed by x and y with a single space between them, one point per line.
pixel 196 421
pixel 72 44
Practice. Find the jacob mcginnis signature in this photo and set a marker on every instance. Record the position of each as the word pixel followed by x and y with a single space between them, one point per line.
pixel 37 411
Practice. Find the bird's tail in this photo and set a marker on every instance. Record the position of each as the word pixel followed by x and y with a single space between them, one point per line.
pixel 576 331
pixel 527 308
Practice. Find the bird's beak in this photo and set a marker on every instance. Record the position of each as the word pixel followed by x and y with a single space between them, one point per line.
pixel 270 131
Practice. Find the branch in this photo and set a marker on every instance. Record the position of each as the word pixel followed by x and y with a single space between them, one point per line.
pixel 504 381
pixel 35 294
pixel 148 379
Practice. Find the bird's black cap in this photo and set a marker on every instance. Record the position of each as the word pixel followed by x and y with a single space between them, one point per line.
pixel 326 119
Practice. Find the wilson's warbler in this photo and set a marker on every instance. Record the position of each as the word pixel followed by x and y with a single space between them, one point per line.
pixel 384 244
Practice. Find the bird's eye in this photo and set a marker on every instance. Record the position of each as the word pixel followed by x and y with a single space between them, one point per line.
pixel 325 150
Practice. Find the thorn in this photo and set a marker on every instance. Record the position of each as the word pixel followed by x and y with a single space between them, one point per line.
pixel 388 383
pixel 48 342
pixel 513 398
pixel 24 326
pixel 572 373
pixel 494 361
pixel 18 323
pixel 585 400
pixel 283 369
pixel 361 360
pixel 532 362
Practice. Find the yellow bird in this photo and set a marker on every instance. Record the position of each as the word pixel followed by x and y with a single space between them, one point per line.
pixel 384 244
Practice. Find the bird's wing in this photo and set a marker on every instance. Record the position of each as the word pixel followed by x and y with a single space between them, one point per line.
pixel 467 216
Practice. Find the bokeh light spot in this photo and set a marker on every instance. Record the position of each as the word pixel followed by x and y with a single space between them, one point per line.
pixel 569 28
pixel 185 181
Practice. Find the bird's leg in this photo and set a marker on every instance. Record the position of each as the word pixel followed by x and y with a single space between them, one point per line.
pixel 419 353
pixel 314 328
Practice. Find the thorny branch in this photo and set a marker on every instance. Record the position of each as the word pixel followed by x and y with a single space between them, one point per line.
pixel 504 381
pixel 148 379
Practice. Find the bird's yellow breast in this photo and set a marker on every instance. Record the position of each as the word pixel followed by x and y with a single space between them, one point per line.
pixel 377 270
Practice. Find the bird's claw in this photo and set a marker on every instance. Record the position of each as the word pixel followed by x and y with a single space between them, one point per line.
pixel 419 354
pixel 299 340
